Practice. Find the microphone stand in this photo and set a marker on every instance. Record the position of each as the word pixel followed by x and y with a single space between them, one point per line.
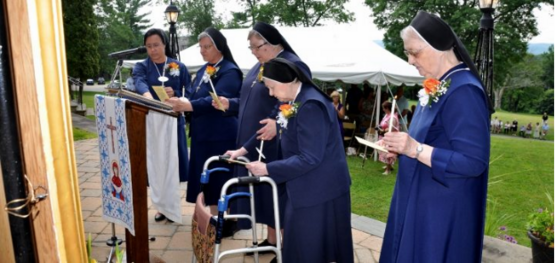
pixel 117 74
pixel 111 242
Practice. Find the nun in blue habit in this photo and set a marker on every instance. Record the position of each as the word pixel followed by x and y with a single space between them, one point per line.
pixel 212 131
pixel 438 207
pixel 257 120
pixel 313 169
pixel 158 69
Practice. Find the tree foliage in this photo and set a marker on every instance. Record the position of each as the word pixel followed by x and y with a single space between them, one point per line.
pixel 81 38
pixel 515 25
pixel 120 27
pixel 306 13
pixel 197 15
pixel 547 63
pixel 524 75
pixel 545 103
pixel 310 13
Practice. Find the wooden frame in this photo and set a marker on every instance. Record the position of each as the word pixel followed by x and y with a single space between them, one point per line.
pixel 36 41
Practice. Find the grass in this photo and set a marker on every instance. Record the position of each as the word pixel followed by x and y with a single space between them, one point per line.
pixel 519 178
pixel 79 134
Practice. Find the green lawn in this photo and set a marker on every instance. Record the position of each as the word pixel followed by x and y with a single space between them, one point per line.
pixel 521 171
pixel 79 134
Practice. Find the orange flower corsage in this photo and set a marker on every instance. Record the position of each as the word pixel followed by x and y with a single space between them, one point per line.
pixel 433 89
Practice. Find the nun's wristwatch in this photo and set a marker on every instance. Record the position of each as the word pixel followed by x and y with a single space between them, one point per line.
pixel 419 149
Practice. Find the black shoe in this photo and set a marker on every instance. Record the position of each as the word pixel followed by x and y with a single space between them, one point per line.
pixel 264 243
pixel 230 228
pixel 159 217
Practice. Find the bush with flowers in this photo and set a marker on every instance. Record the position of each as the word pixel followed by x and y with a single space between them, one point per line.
pixel 541 224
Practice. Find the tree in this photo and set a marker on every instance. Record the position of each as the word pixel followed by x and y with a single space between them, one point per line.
pixel 306 13
pixel 522 75
pixel 81 38
pixel 310 13
pixel 546 102
pixel 547 63
pixel 511 35
pixel 120 27
pixel 197 15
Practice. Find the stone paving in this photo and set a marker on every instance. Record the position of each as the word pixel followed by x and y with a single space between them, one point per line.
pixel 173 241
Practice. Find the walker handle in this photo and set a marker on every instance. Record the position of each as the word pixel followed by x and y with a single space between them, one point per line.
pixel 205 176
pixel 222 203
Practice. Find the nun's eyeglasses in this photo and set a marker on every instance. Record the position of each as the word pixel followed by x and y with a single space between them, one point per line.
pixel 258 47
pixel 414 53
pixel 205 47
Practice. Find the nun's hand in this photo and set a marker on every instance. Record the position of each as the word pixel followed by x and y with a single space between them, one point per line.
pixel 399 142
pixel 257 168
pixel 267 132
pixel 223 100
pixel 169 91
pixel 179 104
pixel 233 154
pixel 390 154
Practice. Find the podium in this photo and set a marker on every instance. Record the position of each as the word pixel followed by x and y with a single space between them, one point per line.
pixel 137 247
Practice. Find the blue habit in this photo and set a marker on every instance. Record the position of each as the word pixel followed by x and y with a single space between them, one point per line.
pixel 254 105
pixel 437 214
pixel 317 226
pixel 212 131
pixel 145 75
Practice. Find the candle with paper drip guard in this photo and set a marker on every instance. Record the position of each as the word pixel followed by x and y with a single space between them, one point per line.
pixel 392 114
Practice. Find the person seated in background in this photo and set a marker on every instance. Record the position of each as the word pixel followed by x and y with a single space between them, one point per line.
pixel 508 126
pixel 522 131
pixel 529 130
pixel 514 127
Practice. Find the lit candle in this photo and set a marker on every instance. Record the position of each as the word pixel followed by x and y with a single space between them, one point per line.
pixel 392 114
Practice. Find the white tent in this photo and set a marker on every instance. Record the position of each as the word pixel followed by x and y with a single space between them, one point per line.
pixel 342 52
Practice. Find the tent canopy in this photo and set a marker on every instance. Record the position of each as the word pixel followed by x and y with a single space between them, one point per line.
pixel 333 53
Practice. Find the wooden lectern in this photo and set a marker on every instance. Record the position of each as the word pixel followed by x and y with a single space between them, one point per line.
pixel 137 246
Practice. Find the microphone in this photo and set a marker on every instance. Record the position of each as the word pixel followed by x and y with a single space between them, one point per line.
pixel 127 52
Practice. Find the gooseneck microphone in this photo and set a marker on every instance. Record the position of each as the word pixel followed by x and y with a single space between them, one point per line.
pixel 127 52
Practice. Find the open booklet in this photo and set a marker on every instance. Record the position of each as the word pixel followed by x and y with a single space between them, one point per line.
pixel 371 144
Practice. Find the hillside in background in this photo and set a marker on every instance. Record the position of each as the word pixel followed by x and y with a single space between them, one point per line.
pixel 533 48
